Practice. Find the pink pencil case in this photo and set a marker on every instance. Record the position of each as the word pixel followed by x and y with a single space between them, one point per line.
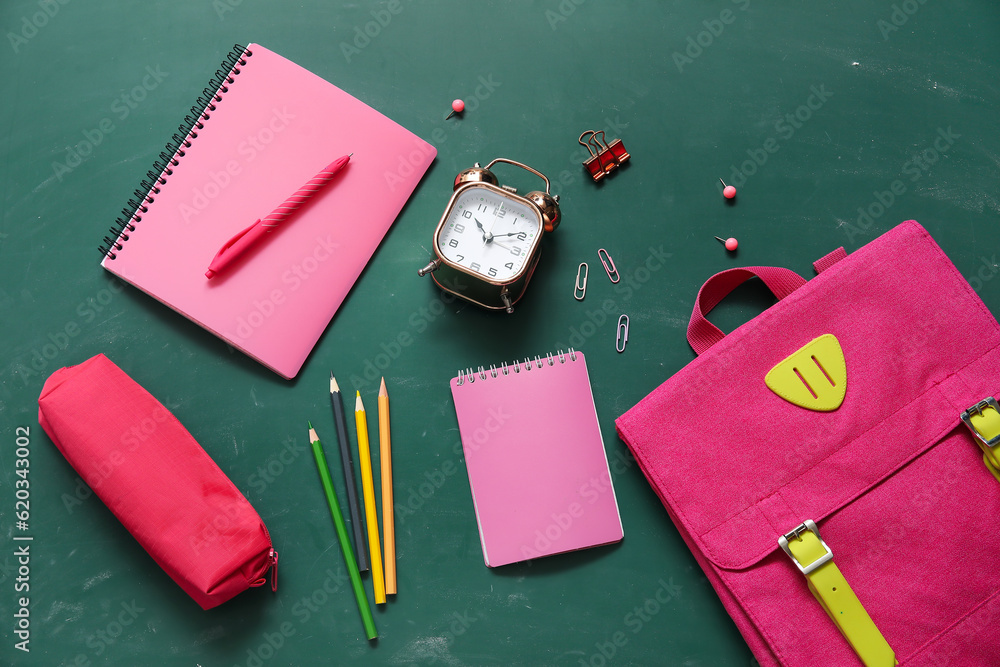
pixel 162 486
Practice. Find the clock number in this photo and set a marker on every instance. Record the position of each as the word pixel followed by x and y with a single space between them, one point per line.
pixel 515 251
pixel 453 243
pixel 475 266
pixel 460 257
pixel 521 236
pixel 493 272
pixel 466 213
pixel 482 207
pixel 510 265
pixel 459 227
pixel 501 212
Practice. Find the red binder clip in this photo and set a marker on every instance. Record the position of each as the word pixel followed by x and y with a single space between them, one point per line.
pixel 604 157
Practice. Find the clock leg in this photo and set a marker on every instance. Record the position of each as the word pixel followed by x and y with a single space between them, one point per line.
pixel 505 297
pixel 434 264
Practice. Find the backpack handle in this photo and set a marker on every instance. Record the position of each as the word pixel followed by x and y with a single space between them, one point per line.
pixel 701 333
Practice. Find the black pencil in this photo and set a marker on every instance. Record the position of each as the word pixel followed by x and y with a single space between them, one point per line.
pixel 348 464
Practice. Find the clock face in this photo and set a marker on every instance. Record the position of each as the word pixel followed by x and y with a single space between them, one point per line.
pixel 490 233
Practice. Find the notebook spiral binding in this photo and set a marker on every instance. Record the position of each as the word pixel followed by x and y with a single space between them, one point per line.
pixel 149 186
pixel 469 375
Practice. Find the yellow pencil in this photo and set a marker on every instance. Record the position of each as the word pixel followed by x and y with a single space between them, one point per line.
pixel 368 486
pixel 385 458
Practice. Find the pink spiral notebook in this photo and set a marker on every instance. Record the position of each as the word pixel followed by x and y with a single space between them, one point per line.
pixel 263 128
pixel 540 479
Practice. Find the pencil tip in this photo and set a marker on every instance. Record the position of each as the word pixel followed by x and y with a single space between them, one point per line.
pixel 310 424
pixel 381 390
pixel 333 383
pixel 358 405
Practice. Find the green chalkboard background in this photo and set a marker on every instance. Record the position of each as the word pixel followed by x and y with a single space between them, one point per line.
pixel 836 120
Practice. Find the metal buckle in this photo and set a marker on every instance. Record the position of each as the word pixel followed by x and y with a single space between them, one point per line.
pixel 989 402
pixel 807 525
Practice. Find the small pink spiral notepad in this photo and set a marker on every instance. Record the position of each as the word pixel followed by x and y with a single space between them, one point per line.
pixel 539 474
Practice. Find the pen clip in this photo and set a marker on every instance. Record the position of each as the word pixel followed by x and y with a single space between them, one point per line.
pixel 231 242
pixel 231 247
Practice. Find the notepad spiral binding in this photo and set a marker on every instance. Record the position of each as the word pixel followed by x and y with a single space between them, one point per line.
pixel 469 375
pixel 143 195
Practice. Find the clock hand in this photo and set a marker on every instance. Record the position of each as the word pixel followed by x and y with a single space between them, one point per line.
pixel 487 237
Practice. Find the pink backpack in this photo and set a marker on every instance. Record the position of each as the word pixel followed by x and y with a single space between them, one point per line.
pixel 861 462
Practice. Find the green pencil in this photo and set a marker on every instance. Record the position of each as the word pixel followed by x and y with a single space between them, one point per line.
pixel 345 541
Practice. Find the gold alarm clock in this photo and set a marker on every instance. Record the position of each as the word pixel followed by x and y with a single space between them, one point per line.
pixel 488 241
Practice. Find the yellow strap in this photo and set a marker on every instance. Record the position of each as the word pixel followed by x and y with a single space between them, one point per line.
pixel 838 600
pixel 987 422
pixel 992 467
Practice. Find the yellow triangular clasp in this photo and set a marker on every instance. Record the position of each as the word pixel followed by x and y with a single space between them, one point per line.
pixel 814 377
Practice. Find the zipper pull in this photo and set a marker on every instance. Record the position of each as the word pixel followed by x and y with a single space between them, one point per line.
pixel 274 570
pixel 272 565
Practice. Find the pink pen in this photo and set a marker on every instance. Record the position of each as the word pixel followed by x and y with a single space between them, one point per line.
pixel 235 246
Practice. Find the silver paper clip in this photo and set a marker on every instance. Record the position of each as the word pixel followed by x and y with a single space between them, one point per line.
pixel 580 289
pixel 609 265
pixel 622 337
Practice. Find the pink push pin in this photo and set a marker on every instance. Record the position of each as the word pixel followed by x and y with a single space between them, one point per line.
pixel 728 191
pixel 730 243
pixel 458 106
